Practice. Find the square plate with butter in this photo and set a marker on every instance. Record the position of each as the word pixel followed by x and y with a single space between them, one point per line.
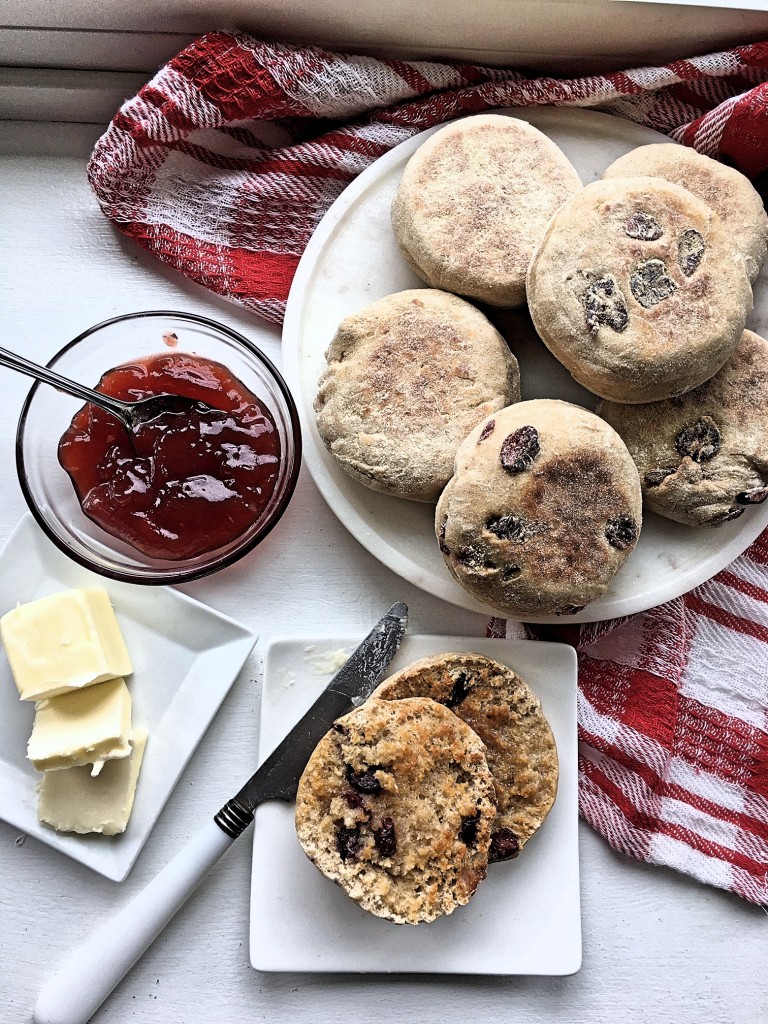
pixel 185 656
pixel 524 918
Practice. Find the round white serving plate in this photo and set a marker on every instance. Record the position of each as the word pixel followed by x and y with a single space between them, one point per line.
pixel 352 260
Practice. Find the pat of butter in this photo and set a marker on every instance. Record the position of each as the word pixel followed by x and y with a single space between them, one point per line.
pixel 73 800
pixel 88 726
pixel 63 643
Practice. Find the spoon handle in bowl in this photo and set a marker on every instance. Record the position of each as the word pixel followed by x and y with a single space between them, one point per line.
pixel 16 362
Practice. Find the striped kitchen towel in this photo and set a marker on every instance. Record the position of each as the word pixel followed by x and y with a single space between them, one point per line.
pixel 224 164
pixel 673 727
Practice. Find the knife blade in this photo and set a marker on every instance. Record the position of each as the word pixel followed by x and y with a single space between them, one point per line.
pixel 278 777
pixel 88 975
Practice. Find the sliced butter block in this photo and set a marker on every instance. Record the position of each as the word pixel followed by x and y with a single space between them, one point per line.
pixel 73 800
pixel 89 726
pixel 63 643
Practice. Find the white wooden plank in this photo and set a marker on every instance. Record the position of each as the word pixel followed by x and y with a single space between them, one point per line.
pixel 31 47
pixel 42 94
pixel 559 35
pixel 737 5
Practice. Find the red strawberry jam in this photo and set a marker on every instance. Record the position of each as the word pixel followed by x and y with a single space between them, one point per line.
pixel 180 485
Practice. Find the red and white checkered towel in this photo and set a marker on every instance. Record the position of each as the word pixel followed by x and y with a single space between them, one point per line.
pixel 224 164
pixel 673 727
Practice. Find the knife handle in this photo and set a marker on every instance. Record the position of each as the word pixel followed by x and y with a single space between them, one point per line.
pixel 87 977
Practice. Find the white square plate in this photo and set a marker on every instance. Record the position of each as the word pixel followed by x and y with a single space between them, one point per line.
pixel 524 918
pixel 185 657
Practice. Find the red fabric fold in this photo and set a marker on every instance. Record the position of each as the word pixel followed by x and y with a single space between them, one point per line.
pixel 243 145
pixel 673 728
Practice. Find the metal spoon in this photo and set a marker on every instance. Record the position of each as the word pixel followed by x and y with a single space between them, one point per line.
pixel 131 414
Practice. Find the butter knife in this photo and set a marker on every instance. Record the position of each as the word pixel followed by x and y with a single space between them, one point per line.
pixel 86 978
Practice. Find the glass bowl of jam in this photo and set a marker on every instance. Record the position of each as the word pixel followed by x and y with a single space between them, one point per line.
pixel 186 493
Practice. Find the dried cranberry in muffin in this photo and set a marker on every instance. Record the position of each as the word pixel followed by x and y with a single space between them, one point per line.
pixel 419 773
pixel 540 517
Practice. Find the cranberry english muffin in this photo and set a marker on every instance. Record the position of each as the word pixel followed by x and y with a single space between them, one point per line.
pixel 473 204
pixel 507 716
pixel 542 511
pixel 703 457
pixel 396 804
pixel 639 289
pixel 730 193
pixel 407 379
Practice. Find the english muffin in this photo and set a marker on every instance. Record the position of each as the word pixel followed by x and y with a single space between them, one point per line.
pixel 729 192
pixel 542 511
pixel 703 457
pixel 507 716
pixel 396 805
pixel 407 379
pixel 638 289
pixel 473 204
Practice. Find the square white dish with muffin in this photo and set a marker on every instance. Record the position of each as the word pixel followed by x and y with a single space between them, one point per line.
pixel 523 919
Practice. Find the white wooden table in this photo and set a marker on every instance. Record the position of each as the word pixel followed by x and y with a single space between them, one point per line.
pixel 658 947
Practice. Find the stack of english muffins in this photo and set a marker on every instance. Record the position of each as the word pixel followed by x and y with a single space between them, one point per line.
pixel 639 284
pixel 450 765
